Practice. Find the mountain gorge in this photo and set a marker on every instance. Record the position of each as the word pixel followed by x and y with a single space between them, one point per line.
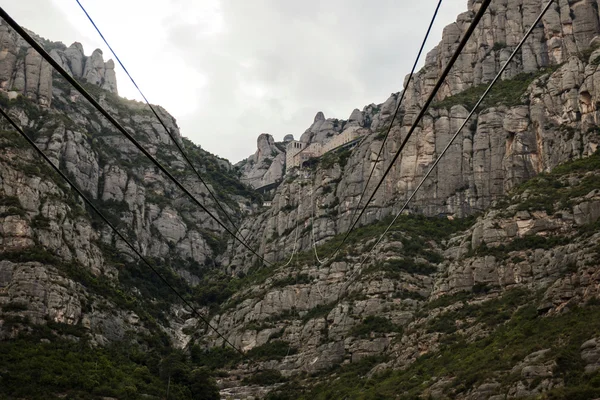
pixel 488 288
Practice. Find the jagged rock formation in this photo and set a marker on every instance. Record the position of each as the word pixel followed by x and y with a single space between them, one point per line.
pixel 533 123
pixel 266 166
pixel 500 306
pixel 50 243
pixel 321 129
pixel 23 71
pixel 91 69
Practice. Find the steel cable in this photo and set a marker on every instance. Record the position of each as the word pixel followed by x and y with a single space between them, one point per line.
pixel 117 125
pixel 115 230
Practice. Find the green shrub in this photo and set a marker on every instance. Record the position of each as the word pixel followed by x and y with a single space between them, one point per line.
pixel 265 378
pixel 38 254
pixel 10 201
pixel 298 279
pixel 498 46
pixel 215 357
pixel 319 311
pixel 529 242
pixel 373 324
pixel 66 369
pixel 505 92
pixel 444 324
pixel 407 294
pixel 14 307
pixel 40 222
pixel 288 208
pixel 275 350
pixel 407 265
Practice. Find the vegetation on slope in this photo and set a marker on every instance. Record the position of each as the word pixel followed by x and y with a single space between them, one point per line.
pixel 56 360
pixel 508 92
pixel 551 192
pixel 414 231
pixel 513 327
pixel 43 366
pixel 469 363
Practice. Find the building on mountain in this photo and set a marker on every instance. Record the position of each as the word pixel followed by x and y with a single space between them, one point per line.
pixel 313 150
pixel 293 147
pixel 342 139
pixel 299 152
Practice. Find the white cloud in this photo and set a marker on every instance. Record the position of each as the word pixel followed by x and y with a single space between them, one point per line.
pixel 229 70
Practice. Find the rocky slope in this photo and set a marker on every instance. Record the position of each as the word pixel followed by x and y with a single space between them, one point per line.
pixel 502 304
pixel 63 273
pixel 467 309
pixel 266 166
pixel 542 114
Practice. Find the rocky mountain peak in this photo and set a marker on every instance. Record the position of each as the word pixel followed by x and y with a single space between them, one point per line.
pixel 266 165
pixel 78 46
pixel 92 69
pixel 264 141
pixel 24 71
pixel 356 117
pixel 502 305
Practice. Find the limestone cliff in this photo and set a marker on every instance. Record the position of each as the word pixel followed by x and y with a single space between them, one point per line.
pixel 542 113
pixel 22 69
pixel 58 258
pixel 487 290
pixel 90 69
pixel 266 166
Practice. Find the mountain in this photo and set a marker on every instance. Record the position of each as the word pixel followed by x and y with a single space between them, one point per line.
pixel 486 289
pixel 266 166
pixel 540 115
pixel 64 274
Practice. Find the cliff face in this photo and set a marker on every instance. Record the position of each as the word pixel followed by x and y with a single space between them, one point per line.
pixel 59 260
pixel 22 70
pixel 502 305
pixel 435 293
pixel 266 166
pixel 542 113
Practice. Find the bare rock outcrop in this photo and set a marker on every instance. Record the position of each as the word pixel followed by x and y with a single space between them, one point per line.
pixel 23 70
pixel 266 166
pixel 545 114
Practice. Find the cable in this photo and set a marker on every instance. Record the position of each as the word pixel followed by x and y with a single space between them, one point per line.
pixel 161 122
pixel 483 96
pixel 321 262
pixel 441 79
pixel 412 71
pixel 297 229
pixel 312 202
pixel 101 109
pixel 127 242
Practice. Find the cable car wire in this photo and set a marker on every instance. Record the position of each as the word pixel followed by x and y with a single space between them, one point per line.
pixel 473 110
pixel 410 77
pixel 482 9
pixel 117 125
pixel 160 120
pixel 117 232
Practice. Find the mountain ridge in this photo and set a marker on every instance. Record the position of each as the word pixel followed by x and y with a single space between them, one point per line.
pixel 487 289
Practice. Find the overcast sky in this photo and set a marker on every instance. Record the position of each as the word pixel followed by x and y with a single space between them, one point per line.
pixel 228 70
